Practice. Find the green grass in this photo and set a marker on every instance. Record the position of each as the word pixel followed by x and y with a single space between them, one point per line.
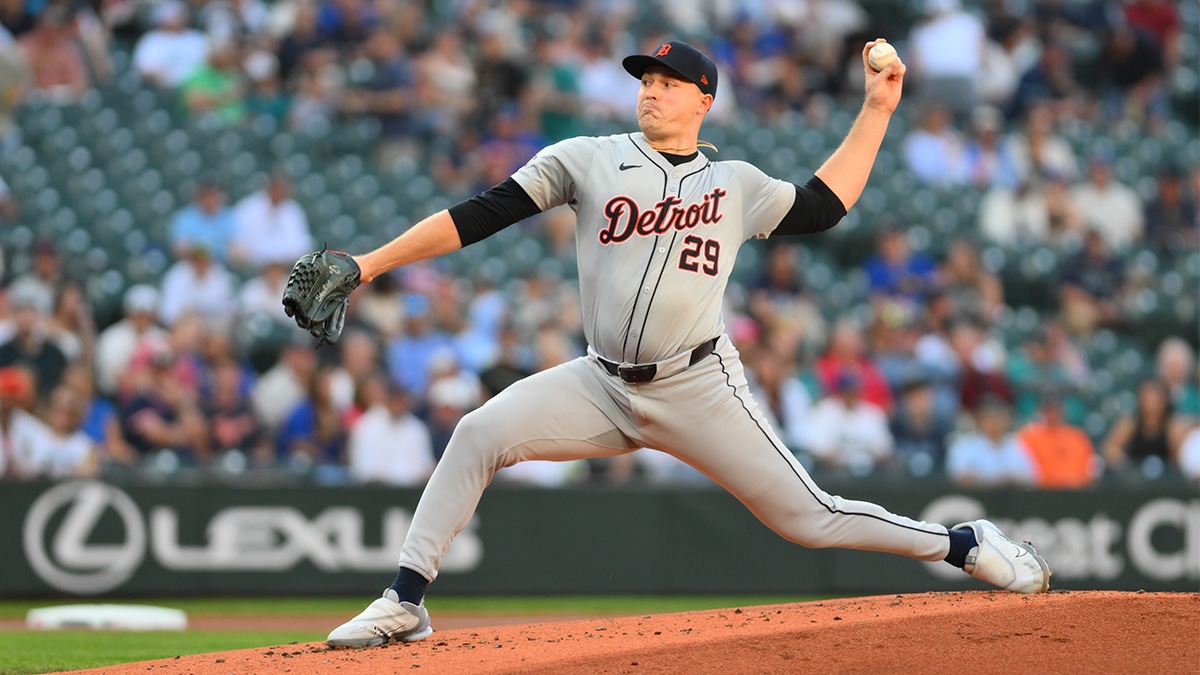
pixel 28 652
pixel 24 652
pixel 567 604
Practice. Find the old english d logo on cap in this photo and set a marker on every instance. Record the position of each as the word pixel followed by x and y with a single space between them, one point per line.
pixel 690 63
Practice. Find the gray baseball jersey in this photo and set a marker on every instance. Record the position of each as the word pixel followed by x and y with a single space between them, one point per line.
pixel 656 242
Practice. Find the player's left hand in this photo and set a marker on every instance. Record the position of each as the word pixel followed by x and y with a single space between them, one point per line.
pixel 318 292
pixel 883 87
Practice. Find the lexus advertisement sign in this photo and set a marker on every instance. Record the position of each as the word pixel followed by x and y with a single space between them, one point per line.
pixel 88 538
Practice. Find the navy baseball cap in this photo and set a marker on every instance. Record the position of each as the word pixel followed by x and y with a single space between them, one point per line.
pixel 680 57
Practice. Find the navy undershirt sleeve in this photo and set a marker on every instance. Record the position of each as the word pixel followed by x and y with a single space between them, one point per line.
pixel 492 210
pixel 816 209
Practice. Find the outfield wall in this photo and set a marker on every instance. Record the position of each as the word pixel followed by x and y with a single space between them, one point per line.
pixel 93 538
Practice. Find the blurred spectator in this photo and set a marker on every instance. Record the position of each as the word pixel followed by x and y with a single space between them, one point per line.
pixel 1035 367
pixel 544 298
pixel 68 452
pixel 848 432
pixel 513 362
pixel 316 94
pixel 260 295
pixel 285 384
pixel 200 284
pixel 30 345
pixel 229 21
pixel 897 274
pixel 1039 151
pixel 299 41
pixel 603 83
pixel 269 226
pixel 946 54
pixel 71 324
pixel 41 283
pixel 554 89
pixel 1149 438
pixel 168 54
pixel 21 434
pixel 919 432
pixel 312 433
pixel 1171 216
pixel 389 444
pixel 265 96
pixel 390 96
pixel 449 399
pixel 478 344
pixel 358 361
pixel 1175 366
pixel 346 23
pixel 1189 456
pixel 10 208
pixel 981 360
pixel 1110 208
pixel 455 163
pixel 780 291
pixel 214 90
pixel 15 80
pixel 989 162
pixel 116 344
pixel 935 151
pixel 100 420
pixel 207 221
pixel 975 291
pixel 447 81
pixel 161 413
pixel 990 454
pixel 1036 212
pixel 56 64
pixel 508 145
pixel 1062 455
pixel 1133 64
pixel 1050 83
pixel 847 354
pixel 231 423
pixel 892 343
pixel 1158 19
pixel 408 355
pixel 1092 287
pixel 379 306
pixel 784 401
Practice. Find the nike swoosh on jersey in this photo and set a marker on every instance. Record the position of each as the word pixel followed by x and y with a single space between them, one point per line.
pixel 626 167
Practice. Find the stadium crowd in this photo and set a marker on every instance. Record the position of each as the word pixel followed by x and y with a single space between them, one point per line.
pixel 918 381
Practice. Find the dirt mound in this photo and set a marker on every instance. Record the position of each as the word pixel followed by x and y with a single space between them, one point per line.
pixel 977 632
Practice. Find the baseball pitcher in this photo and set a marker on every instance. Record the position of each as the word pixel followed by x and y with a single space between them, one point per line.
pixel 658 230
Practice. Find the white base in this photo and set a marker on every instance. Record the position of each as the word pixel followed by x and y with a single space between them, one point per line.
pixel 106 617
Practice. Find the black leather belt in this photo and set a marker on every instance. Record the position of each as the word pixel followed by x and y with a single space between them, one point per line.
pixel 646 373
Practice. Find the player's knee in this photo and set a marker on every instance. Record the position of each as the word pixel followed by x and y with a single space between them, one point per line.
pixel 802 526
pixel 477 435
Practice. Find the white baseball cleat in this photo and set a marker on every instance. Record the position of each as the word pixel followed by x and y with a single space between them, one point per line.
pixel 383 620
pixel 1000 561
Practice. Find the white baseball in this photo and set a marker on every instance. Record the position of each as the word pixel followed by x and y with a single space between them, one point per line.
pixel 881 55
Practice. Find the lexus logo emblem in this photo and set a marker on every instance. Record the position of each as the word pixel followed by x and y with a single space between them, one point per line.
pixel 64 558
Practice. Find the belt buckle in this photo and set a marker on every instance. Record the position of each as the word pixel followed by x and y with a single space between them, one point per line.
pixel 637 374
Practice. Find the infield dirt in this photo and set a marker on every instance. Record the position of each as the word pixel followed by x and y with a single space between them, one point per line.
pixel 976 632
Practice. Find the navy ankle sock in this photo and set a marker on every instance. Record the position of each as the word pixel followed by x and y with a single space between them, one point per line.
pixel 961 543
pixel 410 585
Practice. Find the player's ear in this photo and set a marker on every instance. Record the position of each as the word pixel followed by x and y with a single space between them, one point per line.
pixel 706 101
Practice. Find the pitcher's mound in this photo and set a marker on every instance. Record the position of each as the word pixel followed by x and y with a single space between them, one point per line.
pixel 975 632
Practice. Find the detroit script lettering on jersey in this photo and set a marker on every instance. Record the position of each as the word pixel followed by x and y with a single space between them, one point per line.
pixel 626 218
